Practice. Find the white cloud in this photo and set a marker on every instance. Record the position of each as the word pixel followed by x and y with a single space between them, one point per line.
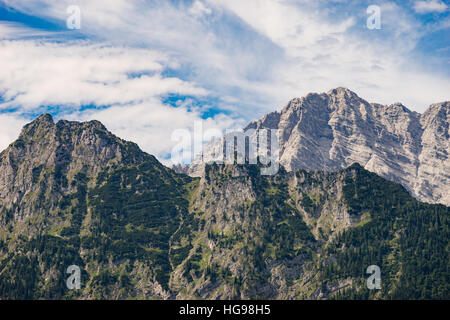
pixel 10 127
pixel 322 53
pixel 36 73
pixel 199 9
pixel 285 23
pixel 427 6
pixel 263 52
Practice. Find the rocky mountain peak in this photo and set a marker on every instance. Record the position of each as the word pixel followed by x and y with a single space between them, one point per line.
pixel 43 122
pixel 269 120
pixel 399 107
pixel 440 111
pixel 343 95
pixel 44 118
pixel 330 131
pixel 48 157
pixel 341 91
pixel 336 99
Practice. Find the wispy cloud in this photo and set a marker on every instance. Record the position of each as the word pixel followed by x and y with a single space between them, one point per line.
pixel 321 52
pixel 15 30
pixel 427 6
pixel 199 9
pixel 10 126
pixel 36 73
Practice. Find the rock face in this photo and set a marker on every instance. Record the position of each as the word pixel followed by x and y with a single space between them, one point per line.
pixel 261 232
pixel 53 153
pixel 332 130
pixel 179 168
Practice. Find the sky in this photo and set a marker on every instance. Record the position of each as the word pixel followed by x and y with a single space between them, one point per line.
pixel 149 68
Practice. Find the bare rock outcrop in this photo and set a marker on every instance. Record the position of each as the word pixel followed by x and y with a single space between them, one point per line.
pixel 330 131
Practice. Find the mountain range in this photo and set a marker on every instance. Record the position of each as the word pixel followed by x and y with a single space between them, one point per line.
pixel 330 131
pixel 72 193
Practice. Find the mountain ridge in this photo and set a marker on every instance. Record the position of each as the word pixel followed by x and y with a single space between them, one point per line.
pixel 330 131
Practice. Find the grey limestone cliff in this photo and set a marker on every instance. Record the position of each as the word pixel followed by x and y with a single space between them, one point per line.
pixel 330 131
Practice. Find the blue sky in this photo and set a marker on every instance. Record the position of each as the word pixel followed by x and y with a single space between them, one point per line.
pixel 148 68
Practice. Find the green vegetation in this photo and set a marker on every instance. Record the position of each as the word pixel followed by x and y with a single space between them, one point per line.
pixel 407 239
pixel 144 224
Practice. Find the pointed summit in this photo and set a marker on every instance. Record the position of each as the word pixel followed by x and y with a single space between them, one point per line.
pixel 43 122
pixel 398 108
pixel 342 92
pixel 44 118
pixel 441 109
pixel 339 90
